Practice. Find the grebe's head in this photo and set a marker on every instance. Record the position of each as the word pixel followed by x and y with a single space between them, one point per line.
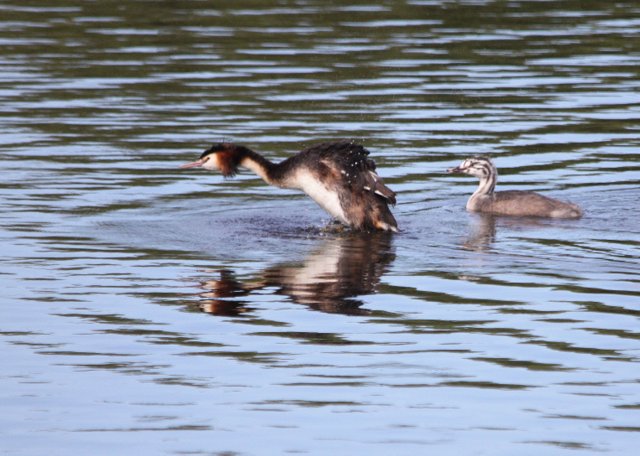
pixel 224 157
pixel 475 166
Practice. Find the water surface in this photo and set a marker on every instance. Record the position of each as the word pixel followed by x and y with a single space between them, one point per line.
pixel 156 310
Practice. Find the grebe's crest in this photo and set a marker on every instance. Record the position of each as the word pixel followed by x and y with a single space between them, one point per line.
pixel 225 157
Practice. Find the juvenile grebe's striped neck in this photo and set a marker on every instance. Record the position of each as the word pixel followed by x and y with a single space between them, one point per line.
pixel 484 169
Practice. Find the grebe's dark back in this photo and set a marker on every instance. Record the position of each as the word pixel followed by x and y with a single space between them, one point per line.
pixel 513 202
pixel 338 176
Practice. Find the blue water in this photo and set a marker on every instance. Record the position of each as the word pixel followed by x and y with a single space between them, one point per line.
pixel 149 309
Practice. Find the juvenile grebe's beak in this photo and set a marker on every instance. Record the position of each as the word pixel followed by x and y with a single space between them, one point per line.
pixel 194 164
pixel 457 169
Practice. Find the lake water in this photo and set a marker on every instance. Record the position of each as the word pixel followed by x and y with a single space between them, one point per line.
pixel 148 309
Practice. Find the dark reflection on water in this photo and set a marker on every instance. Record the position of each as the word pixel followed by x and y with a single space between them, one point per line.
pixel 330 279
pixel 461 330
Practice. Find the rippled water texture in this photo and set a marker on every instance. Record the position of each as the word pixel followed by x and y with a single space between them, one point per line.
pixel 148 309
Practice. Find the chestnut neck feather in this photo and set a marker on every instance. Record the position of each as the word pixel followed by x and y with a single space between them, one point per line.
pixel 239 156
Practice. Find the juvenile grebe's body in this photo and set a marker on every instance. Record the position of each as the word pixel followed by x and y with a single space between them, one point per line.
pixel 513 202
pixel 338 176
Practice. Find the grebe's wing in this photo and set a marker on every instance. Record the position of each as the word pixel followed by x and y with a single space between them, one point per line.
pixel 360 172
pixel 350 161
pixel 375 184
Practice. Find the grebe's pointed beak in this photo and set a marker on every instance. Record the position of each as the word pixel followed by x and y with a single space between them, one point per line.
pixel 454 170
pixel 194 164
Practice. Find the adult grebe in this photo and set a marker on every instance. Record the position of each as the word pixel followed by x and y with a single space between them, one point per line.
pixel 336 175
pixel 514 202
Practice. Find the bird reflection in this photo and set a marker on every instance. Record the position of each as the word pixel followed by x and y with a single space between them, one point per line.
pixel 330 279
pixel 483 229
pixel 482 233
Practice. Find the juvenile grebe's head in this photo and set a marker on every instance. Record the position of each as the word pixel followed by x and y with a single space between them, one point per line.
pixel 475 166
pixel 224 157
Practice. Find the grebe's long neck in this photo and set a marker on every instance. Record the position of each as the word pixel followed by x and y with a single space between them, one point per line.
pixel 264 168
pixel 488 178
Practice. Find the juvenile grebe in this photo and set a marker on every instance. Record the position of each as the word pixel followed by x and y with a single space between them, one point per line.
pixel 514 202
pixel 336 175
